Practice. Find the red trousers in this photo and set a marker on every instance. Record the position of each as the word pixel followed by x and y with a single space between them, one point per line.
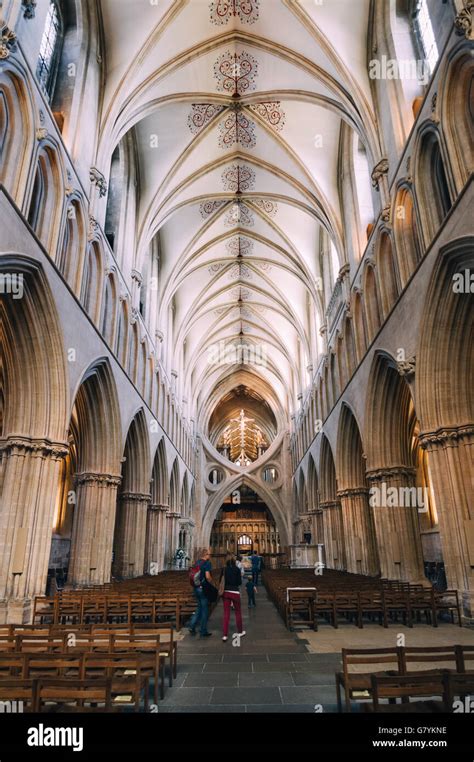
pixel 227 599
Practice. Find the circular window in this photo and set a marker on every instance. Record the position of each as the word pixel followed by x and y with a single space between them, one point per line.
pixel 270 475
pixel 216 475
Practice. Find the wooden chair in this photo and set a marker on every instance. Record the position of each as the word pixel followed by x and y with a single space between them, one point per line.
pixel 83 695
pixel 439 658
pixel 153 663
pixel 458 687
pixel 354 682
pixel 447 601
pixel 300 609
pixel 19 694
pixel 128 673
pixel 404 687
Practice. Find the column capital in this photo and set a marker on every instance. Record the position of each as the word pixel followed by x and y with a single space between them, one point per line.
pixel 138 497
pixel 449 436
pixel 353 491
pixel 20 445
pixel 328 504
pixel 88 477
pixel 387 472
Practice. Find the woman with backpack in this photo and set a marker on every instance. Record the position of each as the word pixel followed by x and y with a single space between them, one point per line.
pixel 231 580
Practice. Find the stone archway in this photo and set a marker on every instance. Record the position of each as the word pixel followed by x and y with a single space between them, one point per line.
pixel 215 501
pixel 447 407
pixel 333 527
pixel 96 429
pixel 391 470
pixel 156 519
pixel 133 502
pixel 353 492
pixel 33 432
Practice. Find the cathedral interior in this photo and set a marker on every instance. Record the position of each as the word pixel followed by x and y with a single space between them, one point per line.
pixel 236 299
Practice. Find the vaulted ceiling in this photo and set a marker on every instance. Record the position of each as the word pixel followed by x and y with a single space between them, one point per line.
pixel 236 108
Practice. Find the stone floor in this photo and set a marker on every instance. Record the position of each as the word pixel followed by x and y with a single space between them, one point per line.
pixel 327 639
pixel 274 670
pixel 270 671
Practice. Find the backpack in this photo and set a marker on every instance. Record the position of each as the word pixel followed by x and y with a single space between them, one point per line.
pixel 195 575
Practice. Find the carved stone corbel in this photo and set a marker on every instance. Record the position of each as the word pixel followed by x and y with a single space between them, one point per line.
pixel 98 179
pixel 380 169
pixel 407 367
pixel 8 41
pixel 463 20
pixel 29 8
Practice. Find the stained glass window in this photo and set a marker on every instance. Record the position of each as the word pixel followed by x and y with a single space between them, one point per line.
pixel 426 35
pixel 49 49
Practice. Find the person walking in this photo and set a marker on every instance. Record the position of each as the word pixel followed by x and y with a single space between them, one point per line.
pixel 202 572
pixel 231 596
pixel 255 559
pixel 251 590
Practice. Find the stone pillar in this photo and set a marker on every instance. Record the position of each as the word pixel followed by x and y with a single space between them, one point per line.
pixel 30 471
pixel 131 534
pixel 396 527
pixel 93 528
pixel 172 532
pixel 152 543
pixel 359 533
pixel 317 524
pixel 450 456
pixel 333 530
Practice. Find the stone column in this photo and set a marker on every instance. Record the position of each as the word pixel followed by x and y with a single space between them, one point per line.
pixel 317 521
pixel 172 533
pixel 131 534
pixel 396 526
pixel 359 532
pixel 152 543
pixel 162 539
pixel 93 528
pixel 30 471
pixel 333 530
pixel 450 456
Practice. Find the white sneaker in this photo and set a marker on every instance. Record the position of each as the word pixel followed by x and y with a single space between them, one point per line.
pixel 224 637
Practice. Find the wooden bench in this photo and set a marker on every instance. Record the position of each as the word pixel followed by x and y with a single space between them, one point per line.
pixel 358 681
pixel 404 687
pixel 83 695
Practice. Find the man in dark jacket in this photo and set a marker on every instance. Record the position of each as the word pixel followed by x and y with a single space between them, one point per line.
pixel 202 604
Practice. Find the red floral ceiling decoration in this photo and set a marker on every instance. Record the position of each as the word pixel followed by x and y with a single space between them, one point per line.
pixel 209 207
pixel 240 215
pixel 201 114
pixel 236 127
pixel 240 246
pixel 236 73
pixel 221 11
pixel 271 112
pixel 238 178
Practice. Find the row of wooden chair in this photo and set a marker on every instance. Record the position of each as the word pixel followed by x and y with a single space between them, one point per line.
pixel 57 694
pixel 113 609
pixel 129 669
pixel 359 665
pixel 303 598
pixel 167 597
